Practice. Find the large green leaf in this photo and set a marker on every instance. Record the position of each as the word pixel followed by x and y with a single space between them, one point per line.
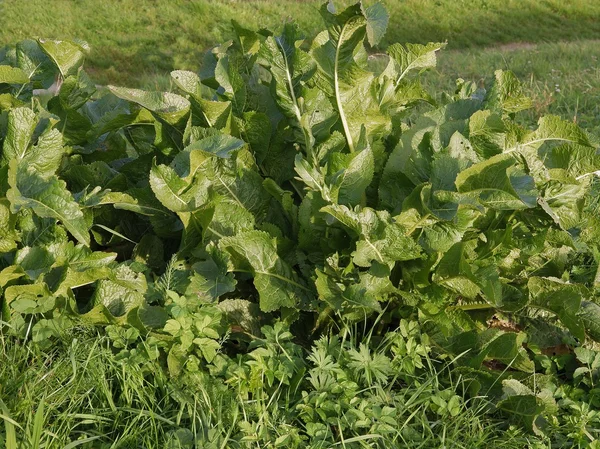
pixel 123 291
pixel 277 283
pixel 560 298
pixel 381 239
pixel 354 174
pixel 12 75
pixel 413 56
pixel 21 124
pixel 498 184
pixel 170 107
pixel 48 198
pixel 8 232
pixel 67 55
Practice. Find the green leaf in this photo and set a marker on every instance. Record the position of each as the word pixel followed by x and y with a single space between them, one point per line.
pixel 334 54
pixel 553 128
pixel 172 191
pixel 377 22
pixel 67 55
pixel 454 272
pixel 354 178
pixel 507 94
pixel 123 291
pixel 589 313
pixel 210 278
pixel 10 274
pixel 381 239
pixel 498 184
pixel 34 260
pixel 12 75
pixel 242 313
pixel 228 74
pixel 189 82
pixel 221 145
pixel 8 233
pixel 21 124
pixel 171 108
pixel 48 198
pixel 560 298
pixel 413 56
pixel 76 90
pixel 287 66
pixel 152 317
pixel 277 283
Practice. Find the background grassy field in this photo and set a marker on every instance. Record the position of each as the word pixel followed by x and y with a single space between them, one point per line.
pixel 552 45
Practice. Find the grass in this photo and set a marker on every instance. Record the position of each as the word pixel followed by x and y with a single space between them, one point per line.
pixel 137 43
pixel 562 78
pixel 80 394
pixel 134 40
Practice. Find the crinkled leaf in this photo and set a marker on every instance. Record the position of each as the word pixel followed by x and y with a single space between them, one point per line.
pixel 562 299
pixel 67 55
pixel 171 108
pixel 413 56
pixel 277 283
pixel 123 291
pixel 12 75
pixel 498 184
pixel 48 198
pixel 8 233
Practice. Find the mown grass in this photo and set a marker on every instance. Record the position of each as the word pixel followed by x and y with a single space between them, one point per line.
pixel 133 40
pixel 562 78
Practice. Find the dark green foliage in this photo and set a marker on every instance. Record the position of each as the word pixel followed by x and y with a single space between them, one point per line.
pixel 298 187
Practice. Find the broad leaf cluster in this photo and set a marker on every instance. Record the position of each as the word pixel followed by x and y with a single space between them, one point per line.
pixel 314 182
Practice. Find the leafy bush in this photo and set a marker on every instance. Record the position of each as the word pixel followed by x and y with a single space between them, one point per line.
pixel 294 189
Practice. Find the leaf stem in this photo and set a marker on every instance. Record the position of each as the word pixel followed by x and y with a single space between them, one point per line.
pixel 338 98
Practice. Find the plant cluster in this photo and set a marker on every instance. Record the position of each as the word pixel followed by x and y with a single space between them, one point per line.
pixel 233 232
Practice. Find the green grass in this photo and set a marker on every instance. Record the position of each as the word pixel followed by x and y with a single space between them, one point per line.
pixel 80 394
pixel 133 40
pixel 562 78
pixel 137 43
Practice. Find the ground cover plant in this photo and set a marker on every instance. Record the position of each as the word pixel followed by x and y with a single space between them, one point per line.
pixel 301 248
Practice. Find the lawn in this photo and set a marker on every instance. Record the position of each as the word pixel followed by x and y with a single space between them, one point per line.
pixel 551 45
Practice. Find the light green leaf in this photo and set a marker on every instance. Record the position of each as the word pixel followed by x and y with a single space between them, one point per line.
pixel 377 22
pixel 381 239
pixel 507 94
pixel 189 82
pixel 67 55
pixel 170 107
pixel 355 177
pixel 454 272
pixel 123 291
pixel 21 124
pixel 12 75
pixel 498 184
pixel 221 145
pixel 8 233
pixel 210 278
pixel 48 198
pixel 76 90
pixel 242 313
pixel 590 317
pixel 413 56
pixel 172 191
